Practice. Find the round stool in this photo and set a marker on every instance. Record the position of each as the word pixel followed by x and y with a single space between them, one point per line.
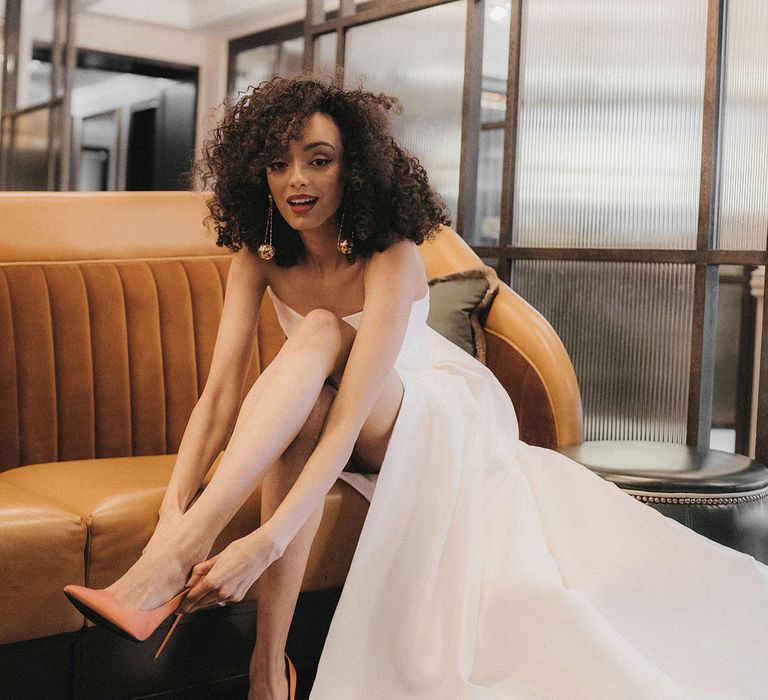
pixel 719 495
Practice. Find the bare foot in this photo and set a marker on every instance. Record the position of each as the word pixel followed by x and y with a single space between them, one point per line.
pixel 160 573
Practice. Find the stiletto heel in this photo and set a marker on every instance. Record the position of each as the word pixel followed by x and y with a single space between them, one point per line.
pixel 168 636
pixel 291 670
pixel 103 608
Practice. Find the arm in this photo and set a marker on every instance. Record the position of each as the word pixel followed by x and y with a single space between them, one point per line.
pixel 391 280
pixel 213 417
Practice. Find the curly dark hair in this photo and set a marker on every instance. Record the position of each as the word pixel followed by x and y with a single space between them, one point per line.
pixel 386 190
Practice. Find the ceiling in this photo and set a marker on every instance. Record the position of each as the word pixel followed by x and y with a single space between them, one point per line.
pixel 195 14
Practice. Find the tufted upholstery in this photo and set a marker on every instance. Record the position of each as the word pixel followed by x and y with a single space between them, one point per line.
pixel 106 359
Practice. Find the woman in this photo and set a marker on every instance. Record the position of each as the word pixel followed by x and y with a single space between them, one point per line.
pixel 324 208
pixel 486 568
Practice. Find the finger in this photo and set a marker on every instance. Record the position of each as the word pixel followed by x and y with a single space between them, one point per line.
pixel 196 593
pixel 211 600
pixel 199 571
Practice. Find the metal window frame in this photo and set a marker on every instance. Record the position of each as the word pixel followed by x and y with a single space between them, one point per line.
pixel 264 38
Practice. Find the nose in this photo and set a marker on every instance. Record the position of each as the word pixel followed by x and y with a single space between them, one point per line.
pixel 297 176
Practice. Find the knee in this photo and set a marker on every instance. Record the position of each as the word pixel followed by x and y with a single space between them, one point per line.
pixel 320 329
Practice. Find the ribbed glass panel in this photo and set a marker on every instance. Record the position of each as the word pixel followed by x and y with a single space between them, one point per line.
pixel 744 123
pixel 419 58
pixel 627 329
pixel 495 60
pixel 729 393
pixel 324 61
pixel 610 119
pixel 489 176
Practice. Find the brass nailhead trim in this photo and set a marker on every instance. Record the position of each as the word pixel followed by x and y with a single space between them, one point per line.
pixel 705 501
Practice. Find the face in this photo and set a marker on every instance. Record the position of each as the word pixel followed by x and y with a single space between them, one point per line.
pixel 306 182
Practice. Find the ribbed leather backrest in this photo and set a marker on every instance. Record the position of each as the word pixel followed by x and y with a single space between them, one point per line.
pixel 107 357
pixel 103 359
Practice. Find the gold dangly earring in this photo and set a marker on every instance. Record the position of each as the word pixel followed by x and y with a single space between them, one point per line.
pixel 345 245
pixel 266 250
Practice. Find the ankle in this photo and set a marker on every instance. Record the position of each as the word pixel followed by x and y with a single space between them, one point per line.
pixel 191 542
pixel 268 685
pixel 268 666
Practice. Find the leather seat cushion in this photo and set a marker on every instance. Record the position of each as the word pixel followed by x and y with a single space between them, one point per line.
pixel 41 549
pixel 118 500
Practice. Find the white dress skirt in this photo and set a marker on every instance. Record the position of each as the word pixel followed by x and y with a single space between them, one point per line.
pixel 487 568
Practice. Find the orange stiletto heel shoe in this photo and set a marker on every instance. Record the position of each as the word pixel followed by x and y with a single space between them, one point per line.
pixel 291 670
pixel 103 608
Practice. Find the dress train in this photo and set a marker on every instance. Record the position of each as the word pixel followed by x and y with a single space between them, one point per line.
pixel 488 568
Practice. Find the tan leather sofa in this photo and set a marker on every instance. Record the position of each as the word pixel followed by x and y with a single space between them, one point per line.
pixel 109 305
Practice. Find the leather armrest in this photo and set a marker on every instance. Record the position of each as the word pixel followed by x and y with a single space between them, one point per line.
pixel 529 359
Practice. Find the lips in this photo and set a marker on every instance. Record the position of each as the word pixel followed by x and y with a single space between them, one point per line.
pixel 301 203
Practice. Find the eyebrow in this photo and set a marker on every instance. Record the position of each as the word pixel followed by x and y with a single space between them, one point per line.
pixel 310 146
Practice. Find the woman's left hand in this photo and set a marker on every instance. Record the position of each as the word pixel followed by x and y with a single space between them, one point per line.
pixel 227 576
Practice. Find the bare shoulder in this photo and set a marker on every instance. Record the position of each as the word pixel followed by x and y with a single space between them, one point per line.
pixel 399 265
pixel 250 269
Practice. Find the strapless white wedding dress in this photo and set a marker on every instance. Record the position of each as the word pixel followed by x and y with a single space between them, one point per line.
pixel 488 568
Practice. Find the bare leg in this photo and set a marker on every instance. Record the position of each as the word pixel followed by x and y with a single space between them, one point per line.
pixel 276 409
pixel 278 587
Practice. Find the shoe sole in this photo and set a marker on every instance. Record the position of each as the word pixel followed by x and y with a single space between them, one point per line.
pixel 93 616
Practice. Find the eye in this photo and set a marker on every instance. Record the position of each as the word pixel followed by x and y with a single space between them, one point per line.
pixel 320 162
pixel 278 165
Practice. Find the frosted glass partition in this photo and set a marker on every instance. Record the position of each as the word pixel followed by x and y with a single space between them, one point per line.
pixel 324 61
pixel 495 60
pixel 489 175
pixel 610 123
pixel 744 122
pixel 256 65
pixel 627 329
pixel 419 58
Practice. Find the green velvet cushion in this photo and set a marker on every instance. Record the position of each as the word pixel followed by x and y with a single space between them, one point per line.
pixel 458 304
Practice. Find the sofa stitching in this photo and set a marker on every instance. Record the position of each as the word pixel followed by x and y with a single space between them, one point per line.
pixel 12 340
pixel 93 360
pixel 88 544
pixel 163 403
pixel 119 273
pixel 195 328
pixel 55 355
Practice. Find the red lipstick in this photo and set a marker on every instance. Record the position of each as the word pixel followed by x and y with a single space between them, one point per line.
pixel 301 203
